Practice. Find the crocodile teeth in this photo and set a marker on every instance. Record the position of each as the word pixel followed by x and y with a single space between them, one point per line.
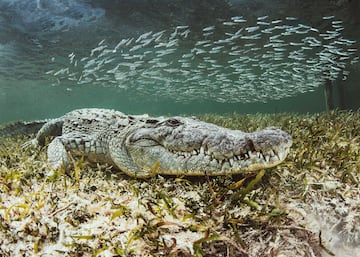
pixel 202 151
pixel 252 154
pixel 186 154
pixel 261 156
pixel 281 155
pixel 276 154
pixel 231 161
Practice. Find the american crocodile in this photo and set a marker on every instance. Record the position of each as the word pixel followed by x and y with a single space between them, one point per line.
pixel 141 146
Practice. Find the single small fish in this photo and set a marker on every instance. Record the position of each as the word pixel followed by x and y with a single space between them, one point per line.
pixel 262 17
pixel 182 27
pixel 252 29
pixel 328 17
pixel 97 49
pixel 276 21
pixel 209 28
pixel 263 23
pixel 101 42
pixel 136 47
pixel 229 23
pixel 143 36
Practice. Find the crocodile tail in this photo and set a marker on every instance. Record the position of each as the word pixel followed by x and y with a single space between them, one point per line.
pixel 21 128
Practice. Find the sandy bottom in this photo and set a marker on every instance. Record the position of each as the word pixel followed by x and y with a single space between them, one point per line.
pixel 306 206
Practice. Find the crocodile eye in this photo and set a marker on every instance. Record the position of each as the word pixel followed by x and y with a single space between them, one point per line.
pixel 172 122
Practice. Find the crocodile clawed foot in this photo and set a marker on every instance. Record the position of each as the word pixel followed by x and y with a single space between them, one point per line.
pixel 57 154
pixel 31 143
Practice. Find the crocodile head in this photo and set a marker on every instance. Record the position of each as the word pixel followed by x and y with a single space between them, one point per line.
pixel 186 146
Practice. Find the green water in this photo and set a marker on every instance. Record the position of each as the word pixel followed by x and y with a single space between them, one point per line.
pixel 189 58
pixel 27 100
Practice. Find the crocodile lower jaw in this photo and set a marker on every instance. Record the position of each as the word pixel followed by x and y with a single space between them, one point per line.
pixel 198 163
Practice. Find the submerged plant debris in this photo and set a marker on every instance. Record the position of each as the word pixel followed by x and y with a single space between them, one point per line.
pixel 307 206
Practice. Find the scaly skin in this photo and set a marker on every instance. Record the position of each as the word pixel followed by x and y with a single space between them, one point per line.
pixel 141 145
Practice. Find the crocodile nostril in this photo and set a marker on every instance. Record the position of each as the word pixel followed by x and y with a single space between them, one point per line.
pixel 249 145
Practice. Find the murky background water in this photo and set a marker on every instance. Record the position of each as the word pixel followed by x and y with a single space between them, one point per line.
pixel 169 57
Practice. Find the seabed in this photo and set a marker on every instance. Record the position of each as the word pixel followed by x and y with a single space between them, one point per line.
pixel 307 206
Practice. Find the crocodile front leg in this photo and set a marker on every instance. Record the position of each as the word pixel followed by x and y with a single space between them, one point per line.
pixel 50 128
pixel 63 147
pixel 57 154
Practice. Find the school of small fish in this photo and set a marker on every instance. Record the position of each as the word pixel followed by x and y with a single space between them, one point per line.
pixel 233 61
